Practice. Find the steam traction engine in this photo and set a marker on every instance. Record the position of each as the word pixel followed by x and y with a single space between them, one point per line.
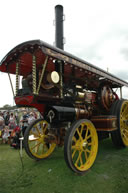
pixel 77 100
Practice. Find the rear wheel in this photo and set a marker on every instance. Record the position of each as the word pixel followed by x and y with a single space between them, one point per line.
pixel 81 146
pixel 36 141
pixel 120 136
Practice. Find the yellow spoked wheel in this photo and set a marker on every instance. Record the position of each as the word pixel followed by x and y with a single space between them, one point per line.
pixel 81 146
pixel 120 136
pixel 36 141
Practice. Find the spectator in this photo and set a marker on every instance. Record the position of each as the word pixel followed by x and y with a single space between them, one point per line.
pixel 31 118
pixel 12 123
pixel 4 114
pixel 5 134
pixel 15 135
pixel 16 117
pixel 2 124
pixel 35 114
pixel 7 116
pixel 24 122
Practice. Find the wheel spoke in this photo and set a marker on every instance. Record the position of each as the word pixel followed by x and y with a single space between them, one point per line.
pixel 73 153
pixel 78 158
pixel 86 156
pixel 125 136
pixel 87 150
pixel 38 131
pixel 82 127
pixel 44 128
pixel 37 148
pixel 33 133
pixel 43 148
pixel 89 136
pixel 81 161
pixel 74 147
pixel 89 144
pixel 79 134
pixel 122 125
pixel 86 133
pixel 126 130
pixel 35 145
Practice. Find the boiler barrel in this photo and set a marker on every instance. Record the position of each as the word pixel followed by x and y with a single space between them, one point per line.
pixel 64 114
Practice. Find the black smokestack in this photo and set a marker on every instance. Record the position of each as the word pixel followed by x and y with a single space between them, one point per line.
pixel 59 27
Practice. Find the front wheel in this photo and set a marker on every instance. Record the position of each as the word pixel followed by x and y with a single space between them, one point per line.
pixel 81 146
pixel 36 142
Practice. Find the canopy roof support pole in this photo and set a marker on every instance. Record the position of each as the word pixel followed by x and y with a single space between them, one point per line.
pixel 121 92
pixel 34 73
pixel 17 78
pixel 11 85
pixel 42 74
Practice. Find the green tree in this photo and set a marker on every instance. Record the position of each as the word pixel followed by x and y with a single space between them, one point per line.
pixel 6 106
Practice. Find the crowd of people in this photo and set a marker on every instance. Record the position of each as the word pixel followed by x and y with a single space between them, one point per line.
pixel 13 126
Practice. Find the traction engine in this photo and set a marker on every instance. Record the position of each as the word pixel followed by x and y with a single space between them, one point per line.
pixel 78 103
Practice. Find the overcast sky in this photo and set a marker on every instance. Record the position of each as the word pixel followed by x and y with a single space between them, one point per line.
pixel 95 30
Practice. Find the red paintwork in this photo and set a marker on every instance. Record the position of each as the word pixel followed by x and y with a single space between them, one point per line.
pixel 26 100
pixel 29 101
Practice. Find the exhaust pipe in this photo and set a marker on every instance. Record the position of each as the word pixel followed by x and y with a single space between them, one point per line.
pixel 59 43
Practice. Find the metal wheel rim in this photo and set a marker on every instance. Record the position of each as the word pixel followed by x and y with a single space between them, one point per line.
pixel 84 146
pixel 36 140
pixel 124 123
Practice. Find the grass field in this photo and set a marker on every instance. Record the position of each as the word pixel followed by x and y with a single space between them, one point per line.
pixel 109 173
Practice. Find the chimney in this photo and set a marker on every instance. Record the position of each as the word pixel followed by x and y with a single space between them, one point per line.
pixel 59 39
